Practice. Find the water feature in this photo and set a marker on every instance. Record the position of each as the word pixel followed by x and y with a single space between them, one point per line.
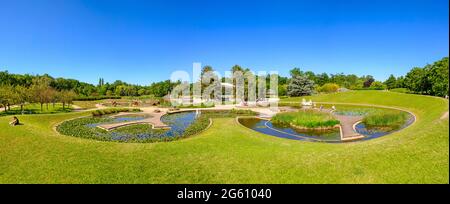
pixel 266 127
pixel 375 132
pixel 178 122
pixel 332 136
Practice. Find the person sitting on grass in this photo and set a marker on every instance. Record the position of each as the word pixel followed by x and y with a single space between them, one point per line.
pixel 15 121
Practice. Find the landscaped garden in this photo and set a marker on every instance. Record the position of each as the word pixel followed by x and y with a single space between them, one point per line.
pixel 228 152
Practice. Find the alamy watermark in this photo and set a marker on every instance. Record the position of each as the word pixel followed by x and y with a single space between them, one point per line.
pixel 243 88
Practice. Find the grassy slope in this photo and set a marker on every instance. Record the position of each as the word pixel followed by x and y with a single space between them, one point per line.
pixel 33 153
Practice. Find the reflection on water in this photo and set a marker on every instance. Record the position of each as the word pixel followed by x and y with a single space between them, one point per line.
pixel 178 122
pixel 267 127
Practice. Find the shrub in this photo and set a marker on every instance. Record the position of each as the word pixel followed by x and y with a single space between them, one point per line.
pixel 328 88
pixel 377 85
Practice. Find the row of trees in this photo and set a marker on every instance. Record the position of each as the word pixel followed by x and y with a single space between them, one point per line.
pixel 39 91
pixel 431 79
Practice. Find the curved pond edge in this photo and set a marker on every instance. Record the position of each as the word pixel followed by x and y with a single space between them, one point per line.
pixel 357 139
pixel 371 105
pixel 55 126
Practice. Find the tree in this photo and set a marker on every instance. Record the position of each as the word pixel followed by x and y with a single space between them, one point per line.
pixel 282 90
pixel 21 96
pixel 322 79
pixel 39 90
pixel 296 72
pixel 400 83
pixel 369 80
pixel 6 95
pixel 66 97
pixel 391 82
pixel 236 68
pixel 416 80
pixel 437 76
pixel 377 85
pixel 300 86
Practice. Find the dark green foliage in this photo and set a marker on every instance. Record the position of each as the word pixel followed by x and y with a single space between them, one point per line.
pixel 391 82
pixel 300 86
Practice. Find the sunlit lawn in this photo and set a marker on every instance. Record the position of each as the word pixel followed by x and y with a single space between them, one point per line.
pixel 231 153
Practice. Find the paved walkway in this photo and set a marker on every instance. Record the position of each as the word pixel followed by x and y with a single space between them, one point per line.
pixel 347 126
pixel 347 123
pixel 444 116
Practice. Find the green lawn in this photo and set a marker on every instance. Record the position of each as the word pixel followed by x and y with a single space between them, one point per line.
pixel 230 153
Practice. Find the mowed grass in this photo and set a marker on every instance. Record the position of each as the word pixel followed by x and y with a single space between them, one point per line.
pixel 230 153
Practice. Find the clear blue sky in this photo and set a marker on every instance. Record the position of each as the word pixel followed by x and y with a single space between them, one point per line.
pixel 144 41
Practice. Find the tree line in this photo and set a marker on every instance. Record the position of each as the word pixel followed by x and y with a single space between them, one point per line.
pixel 431 80
pixel 38 91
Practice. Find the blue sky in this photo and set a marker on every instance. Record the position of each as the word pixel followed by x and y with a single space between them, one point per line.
pixel 145 41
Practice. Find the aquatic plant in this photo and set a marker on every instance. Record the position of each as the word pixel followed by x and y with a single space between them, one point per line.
pixel 389 120
pixel 305 119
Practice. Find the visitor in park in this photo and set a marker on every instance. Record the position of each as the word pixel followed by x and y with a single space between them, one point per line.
pixel 321 107
pixel 333 108
pixel 15 121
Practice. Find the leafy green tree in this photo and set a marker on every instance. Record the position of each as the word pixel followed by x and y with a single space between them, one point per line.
pixel 400 82
pixel 39 90
pixel 377 85
pixel 22 95
pixel 66 97
pixel 296 72
pixel 391 82
pixel 437 76
pixel 369 80
pixel 300 86
pixel 416 80
pixel 6 95
pixel 322 79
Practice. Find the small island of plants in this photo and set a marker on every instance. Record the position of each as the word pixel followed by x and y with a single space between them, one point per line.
pixel 306 119
pixel 385 120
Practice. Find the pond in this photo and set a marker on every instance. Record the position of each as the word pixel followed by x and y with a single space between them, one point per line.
pixel 87 127
pixel 332 136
